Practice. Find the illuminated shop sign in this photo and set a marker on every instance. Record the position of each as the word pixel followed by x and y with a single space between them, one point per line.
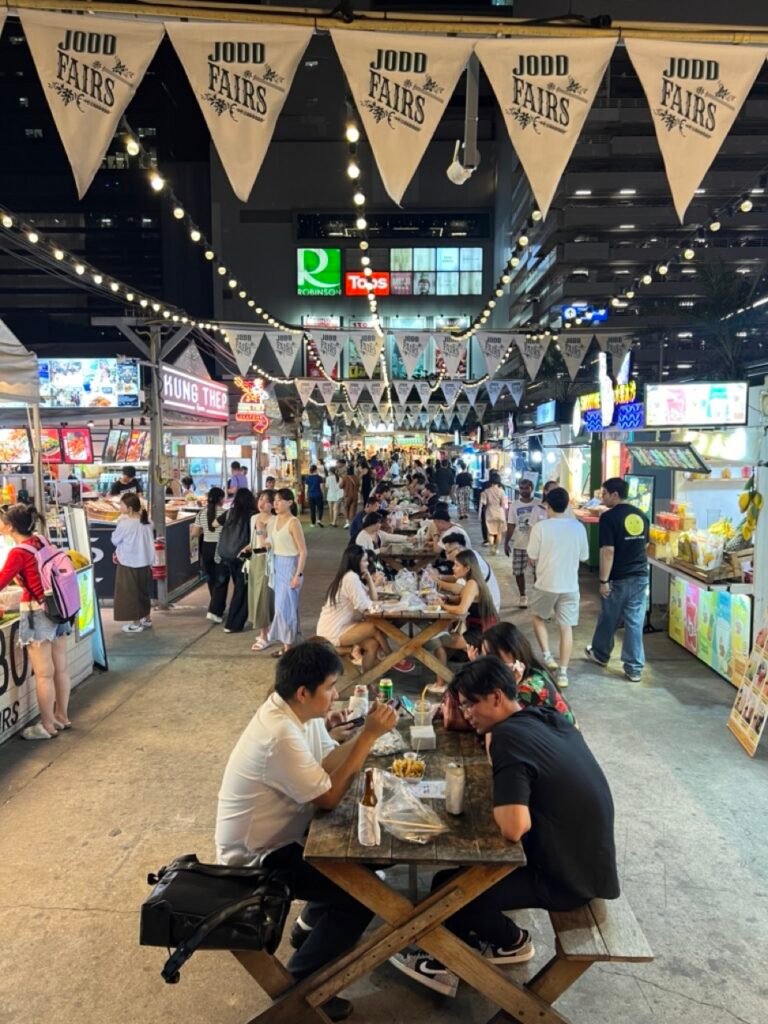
pixel 627 412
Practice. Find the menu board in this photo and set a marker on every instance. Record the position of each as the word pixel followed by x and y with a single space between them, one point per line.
pixel 713 625
pixel 677 457
pixel 50 441
pixel 110 445
pixel 750 709
pixel 696 405
pixel 77 444
pixel 146 446
pixel 135 449
pixel 14 446
pixel 86 617
pixel 122 446
pixel 640 493
pixel 89 383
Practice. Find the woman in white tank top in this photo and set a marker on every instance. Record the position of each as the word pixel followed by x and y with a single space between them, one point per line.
pixel 290 556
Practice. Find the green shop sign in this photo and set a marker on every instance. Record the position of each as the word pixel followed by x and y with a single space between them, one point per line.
pixel 318 271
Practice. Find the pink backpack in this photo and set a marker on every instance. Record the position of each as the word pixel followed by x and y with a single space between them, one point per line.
pixel 59 579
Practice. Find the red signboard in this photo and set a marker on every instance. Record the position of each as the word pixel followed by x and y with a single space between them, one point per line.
pixel 357 283
pixel 194 396
pixel 77 444
pixel 51 445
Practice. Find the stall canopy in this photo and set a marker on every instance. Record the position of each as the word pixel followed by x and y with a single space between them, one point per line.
pixel 18 370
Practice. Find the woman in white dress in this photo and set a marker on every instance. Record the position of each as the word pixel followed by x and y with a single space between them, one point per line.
pixel 349 597
pixel 494 501
pixel 334 495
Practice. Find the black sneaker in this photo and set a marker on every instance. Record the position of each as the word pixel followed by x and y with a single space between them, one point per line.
pixel 427 971
pixel 321 525
pixel 520 953
pixel 337 1008
pixel 591 656
pixel 632 676
pixel 298 935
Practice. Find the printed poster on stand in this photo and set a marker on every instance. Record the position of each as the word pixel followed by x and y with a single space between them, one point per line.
pixel 750 708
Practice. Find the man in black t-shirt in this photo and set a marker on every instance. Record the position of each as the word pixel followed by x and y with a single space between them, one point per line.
pixel 623 534
pixel 549 793
pixel 127 481
pixel 444 479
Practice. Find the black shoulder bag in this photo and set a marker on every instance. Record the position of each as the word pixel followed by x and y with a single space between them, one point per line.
pixel 211 906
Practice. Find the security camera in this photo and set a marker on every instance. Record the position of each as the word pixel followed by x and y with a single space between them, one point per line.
pixel 456 171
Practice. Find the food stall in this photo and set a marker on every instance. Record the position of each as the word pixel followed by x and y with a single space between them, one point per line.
pixel 707 544
pixel 18 702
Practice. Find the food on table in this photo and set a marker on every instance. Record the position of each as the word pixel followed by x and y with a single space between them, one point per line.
pixel 410 768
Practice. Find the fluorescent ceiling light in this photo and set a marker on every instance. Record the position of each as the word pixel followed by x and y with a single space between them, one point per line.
pixel 701 191
pixel 583 192
pixel 627 192
pixel 683 366
pixel 626 227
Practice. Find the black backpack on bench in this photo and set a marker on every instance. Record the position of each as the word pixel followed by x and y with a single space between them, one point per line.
pixel 211 906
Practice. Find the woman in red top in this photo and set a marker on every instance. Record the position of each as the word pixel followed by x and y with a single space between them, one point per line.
pixel 46 640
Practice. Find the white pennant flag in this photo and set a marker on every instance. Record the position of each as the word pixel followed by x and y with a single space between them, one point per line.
pixel 354 390
pixel 365 410
pixel 402 85
pixel 376 390
pixel 573 348
pixel 286 347
pixel 695 91
pixel 305 386
pixel 3 16
pixel 494 347
pixel 425 392
pixel 329 345
pixel 480 408
pixel 243 344
pixel 616 346
pixel 89 69
pixel 533 351
pixel 545 88
pixel 471 394
pixel 402 390
pixel 398 411
pixel 494 389
pixel 462 411
pixel 241 75
pixel 423 419
pixel 451 389
pixel 452 351
pixel 368 345
pixel 411 348
pixel 346 416
pixel 333 408
pixel 327 389
pixel 516 389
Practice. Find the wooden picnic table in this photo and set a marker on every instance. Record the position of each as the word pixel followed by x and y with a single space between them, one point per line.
pixel 392 622
pixel 397 555
pixel 474 844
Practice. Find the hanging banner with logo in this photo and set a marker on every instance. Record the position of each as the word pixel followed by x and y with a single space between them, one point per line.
pixel 516 389
pixel 695 91
pixel 354 390
pixel 376 390
pixel 616 346
pixel 471 395
pixel 90 69
pixel 494 389
pixel 452 351
pixel 398 412
pixel 368 345
pixel 545 88
pixel 573 348
pixel 365 410
pixel 243 344
pixel 332 409
pixel 327 389
pixel 402 390
pixel 411 346
pixel 480 408
pixel 425 392
pixel 462 411
pixel 494 347
pixel 285 347
pixel 533 351
pixel 423 419
pixel 402 85
pixel 329 345
pixel 305 386
pixel 241 76
pixel 451 389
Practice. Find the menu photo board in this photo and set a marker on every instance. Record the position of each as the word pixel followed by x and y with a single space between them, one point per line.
pixel 77 445
pixel 122 446
pixel 750 709
pixel 15 448
pixel 50 443
pixel 109 453
pixel 89 383
pixel 135 450
pixel 680 458
pixel 716 404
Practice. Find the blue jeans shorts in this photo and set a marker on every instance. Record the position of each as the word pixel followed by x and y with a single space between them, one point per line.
pixel 35 628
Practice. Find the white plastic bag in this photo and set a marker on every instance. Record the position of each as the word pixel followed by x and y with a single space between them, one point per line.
pixel 404 816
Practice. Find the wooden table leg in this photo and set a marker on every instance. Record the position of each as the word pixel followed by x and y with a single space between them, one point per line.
pixel 414 646
pixel 267 970
pixel 557 976
pixel 522 1004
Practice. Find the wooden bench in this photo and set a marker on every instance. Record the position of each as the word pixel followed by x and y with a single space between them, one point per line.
pixel 604 931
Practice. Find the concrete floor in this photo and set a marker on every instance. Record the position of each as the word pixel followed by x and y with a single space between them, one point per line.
pixel 83 819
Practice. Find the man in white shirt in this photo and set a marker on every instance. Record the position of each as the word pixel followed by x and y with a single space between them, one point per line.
pixel 440 525
pixel 457 541
pixel 283 767
pixel 557 544
pixel 519 518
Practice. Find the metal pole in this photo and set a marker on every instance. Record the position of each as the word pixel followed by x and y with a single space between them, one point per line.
pixel 471 155
pixel 259 474
pixel 156 486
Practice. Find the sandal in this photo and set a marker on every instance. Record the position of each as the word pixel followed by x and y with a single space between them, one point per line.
pixel 260 645
pixel 277 654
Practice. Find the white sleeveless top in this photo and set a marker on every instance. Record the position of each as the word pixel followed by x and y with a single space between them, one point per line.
pixel 282 541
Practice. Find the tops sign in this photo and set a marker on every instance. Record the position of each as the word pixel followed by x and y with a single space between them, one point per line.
pixel 357 284
pixel 193 396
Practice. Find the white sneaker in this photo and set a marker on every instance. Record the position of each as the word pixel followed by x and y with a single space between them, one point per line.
pixel 214 618
pixel 427 971
pixel 36 732
pixel 549 660
pixel 130 628
pixel 520 953
pixel 523 602
pixel 562 679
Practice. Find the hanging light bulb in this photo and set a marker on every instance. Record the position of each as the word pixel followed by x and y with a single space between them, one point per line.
pixel 79 269
pixel 688 254
pixel 615 301
pixel 132 147
pixel 363 245
pixel 358 199
pixel 745 205
pixel 221 271
pixel 353 170
pixel 178 212
pixel 505 278
pixel 114 286
pixel 209 254
pixel 175 318
pixel 241 294
pixel 156 182
pixel 630 293
pixel 166 314
pixel 156 307
pixel 7 221
pixel 232 282
pixel 491 303
pixel 663 269
pixel 58 254
pixel 251 303
pixel 646 278
pixel 352 133
pixel 361 223
pixel 714 223
pixel 523 241
pixel 143 303
pixel 499 292
pixel 513 261
pixel 365 260
pixel 195 235
pixel 129 296
pixel 33 237
pixel 367 271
